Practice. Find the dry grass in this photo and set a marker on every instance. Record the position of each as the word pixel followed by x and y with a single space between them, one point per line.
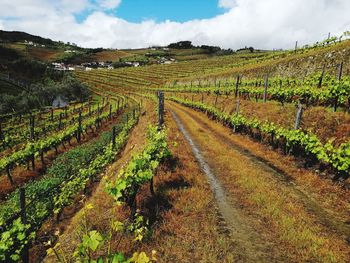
pixel 302 235
pixel 110 55
pixel 44 54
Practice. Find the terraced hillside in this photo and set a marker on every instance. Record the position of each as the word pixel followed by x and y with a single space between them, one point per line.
pixel 268 132
pixel 247 159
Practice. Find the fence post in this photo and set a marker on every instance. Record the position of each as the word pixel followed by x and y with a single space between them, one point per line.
pixel 299 116
pixel 340 72
pixel 113 136
pixel 60 121
pixel 31 123
pixel 79 128
pixel 266 84
pixel 319 85
pixel 237 86
pixel 110 111
pixel 33 158
pixel 98 115
pixel 160 109
pixel 22 198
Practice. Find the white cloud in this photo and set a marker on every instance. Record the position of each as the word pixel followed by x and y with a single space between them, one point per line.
pixel 259 23
pixel 227 3
pixel 110 4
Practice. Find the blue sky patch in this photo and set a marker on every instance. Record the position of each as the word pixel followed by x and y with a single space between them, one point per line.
pixel 160 10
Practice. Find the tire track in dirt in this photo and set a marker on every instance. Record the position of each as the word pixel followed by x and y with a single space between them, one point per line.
pixel 250 246
pixel 325 218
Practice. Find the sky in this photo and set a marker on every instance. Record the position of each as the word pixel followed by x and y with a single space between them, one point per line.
pixel 265 24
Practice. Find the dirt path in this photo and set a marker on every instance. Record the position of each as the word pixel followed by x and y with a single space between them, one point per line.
pixel 241 180
pixel 251 247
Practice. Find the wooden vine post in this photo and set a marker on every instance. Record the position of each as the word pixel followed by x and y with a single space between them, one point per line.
pixel 237 86
pixel 114 133
pixel 110 111
pixel 340 71
pixel 79 128
pixel 51 114
pixel 60 122
pixel 160 125
pixel 299 116
pixel 22 199
pixel 266 84
pixel 319 85
pixel 31 128
pixel 160 109
pixel 98 115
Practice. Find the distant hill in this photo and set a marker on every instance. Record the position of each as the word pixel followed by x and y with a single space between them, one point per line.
pixel 16 36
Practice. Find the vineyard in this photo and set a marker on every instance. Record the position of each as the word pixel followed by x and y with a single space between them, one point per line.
pixel 242 157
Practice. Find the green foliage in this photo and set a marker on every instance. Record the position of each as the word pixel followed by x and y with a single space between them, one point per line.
pixel 65 178
pixel 292 90
pixel 141 168
pixel 8 54
pixel 337 158
pixel 92 241
pixel 16 236
pixel 77 183
pixel 28 68
pixel 39 95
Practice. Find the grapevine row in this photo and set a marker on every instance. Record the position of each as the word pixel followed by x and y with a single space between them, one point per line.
pixel 292 141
